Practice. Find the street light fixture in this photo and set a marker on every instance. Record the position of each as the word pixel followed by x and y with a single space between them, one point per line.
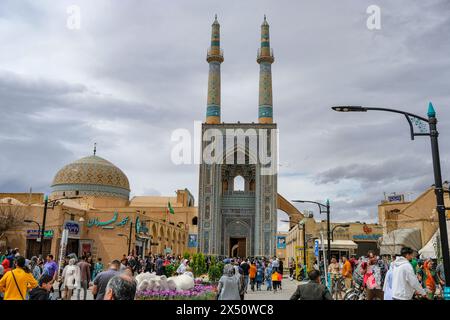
pixel 39 229
pixel 323 208
pixel 338 226
pixel 421 123
pixel 303 224
pixel 128 241
pixel 44 218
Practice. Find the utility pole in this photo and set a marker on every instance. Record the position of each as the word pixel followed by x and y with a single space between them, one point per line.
pixel 43 227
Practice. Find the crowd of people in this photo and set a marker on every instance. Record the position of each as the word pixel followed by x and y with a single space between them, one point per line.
pixel 400 277
pixel 239 274
pixel 403 277
pixel 34 279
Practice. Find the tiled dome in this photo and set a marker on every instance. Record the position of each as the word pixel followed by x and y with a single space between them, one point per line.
pixel 91 176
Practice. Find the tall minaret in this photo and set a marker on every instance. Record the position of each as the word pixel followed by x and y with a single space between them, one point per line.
pixel 265 59
pixel 214 58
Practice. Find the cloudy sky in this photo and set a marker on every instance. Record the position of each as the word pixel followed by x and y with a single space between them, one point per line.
pixel 136 70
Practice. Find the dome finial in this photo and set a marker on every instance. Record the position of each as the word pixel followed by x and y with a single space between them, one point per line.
pixel 95 148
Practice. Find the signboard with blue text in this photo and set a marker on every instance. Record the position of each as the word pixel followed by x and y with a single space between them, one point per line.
pixel 396 198
pixel 74 229
pixel 34 234
pixel 281 242
pixel 367 236
pixel 193 241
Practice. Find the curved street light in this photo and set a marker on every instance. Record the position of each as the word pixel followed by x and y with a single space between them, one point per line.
pixel 40 236
pixel 426 127
pixel 338 226
pixel 323 208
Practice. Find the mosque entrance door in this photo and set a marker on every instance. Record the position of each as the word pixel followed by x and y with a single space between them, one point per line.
pixel 238 247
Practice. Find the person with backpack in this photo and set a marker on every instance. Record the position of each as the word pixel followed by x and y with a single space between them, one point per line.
pixel 16 283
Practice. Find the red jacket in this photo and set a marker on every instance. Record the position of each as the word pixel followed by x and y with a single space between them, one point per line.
pixel 6 266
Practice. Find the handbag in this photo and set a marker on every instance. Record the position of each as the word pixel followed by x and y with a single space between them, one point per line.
pixel 17 285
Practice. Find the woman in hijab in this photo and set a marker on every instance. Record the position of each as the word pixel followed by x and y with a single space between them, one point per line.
pixel 34 268
pixel 259 276
pixel 71 278
pixel 182 268
pixel 229 284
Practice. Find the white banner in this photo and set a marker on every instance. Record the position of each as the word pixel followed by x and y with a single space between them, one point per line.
pixel 62 248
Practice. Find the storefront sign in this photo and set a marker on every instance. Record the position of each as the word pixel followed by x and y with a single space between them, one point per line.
pixel 367 236
pixel 396 198
pixel 34 234
pixel 192 243
pixel 73 228
pixel 108 224
pixel 316 248
pixel 281 242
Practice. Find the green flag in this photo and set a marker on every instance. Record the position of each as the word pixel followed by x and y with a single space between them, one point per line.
pixel 169 208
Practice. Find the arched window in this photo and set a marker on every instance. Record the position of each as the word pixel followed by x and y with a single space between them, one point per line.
pixel 239 183
pixel 194 221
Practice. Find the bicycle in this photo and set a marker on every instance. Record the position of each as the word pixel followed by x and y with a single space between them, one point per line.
pixel 337 286
pixel 355 293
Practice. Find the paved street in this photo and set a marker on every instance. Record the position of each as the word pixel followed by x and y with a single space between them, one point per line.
pixel 288 288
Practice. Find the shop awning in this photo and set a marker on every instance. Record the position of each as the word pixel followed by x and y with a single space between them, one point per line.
pixel 429 250
pixel 393 242
pixel 339 244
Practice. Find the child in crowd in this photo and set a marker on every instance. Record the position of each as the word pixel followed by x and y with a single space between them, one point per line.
pixel 275 281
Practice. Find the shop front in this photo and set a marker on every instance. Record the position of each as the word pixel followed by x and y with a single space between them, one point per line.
pixel 33 243
pixel 366 243
pixel 339 248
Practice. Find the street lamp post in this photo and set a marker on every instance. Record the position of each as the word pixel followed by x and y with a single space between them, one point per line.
pixel 323 208
pixel 41 232
pixel 303 224
pixel 421 122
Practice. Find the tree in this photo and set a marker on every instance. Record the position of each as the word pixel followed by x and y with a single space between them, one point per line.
pixel 11 215
pixel 199 264
pixel 215 270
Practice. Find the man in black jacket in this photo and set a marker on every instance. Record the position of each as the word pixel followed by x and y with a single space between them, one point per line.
pixel 42 292
pixel 312 290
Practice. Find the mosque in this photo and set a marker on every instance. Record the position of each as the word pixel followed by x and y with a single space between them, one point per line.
pixel 91 198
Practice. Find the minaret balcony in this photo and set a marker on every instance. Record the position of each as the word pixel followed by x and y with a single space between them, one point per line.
pixel 260 57
pixel 214 55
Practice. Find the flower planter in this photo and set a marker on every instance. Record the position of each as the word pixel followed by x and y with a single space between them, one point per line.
pixel 199 292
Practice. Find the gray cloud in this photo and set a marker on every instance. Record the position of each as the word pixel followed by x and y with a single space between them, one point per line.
pixel 136 71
